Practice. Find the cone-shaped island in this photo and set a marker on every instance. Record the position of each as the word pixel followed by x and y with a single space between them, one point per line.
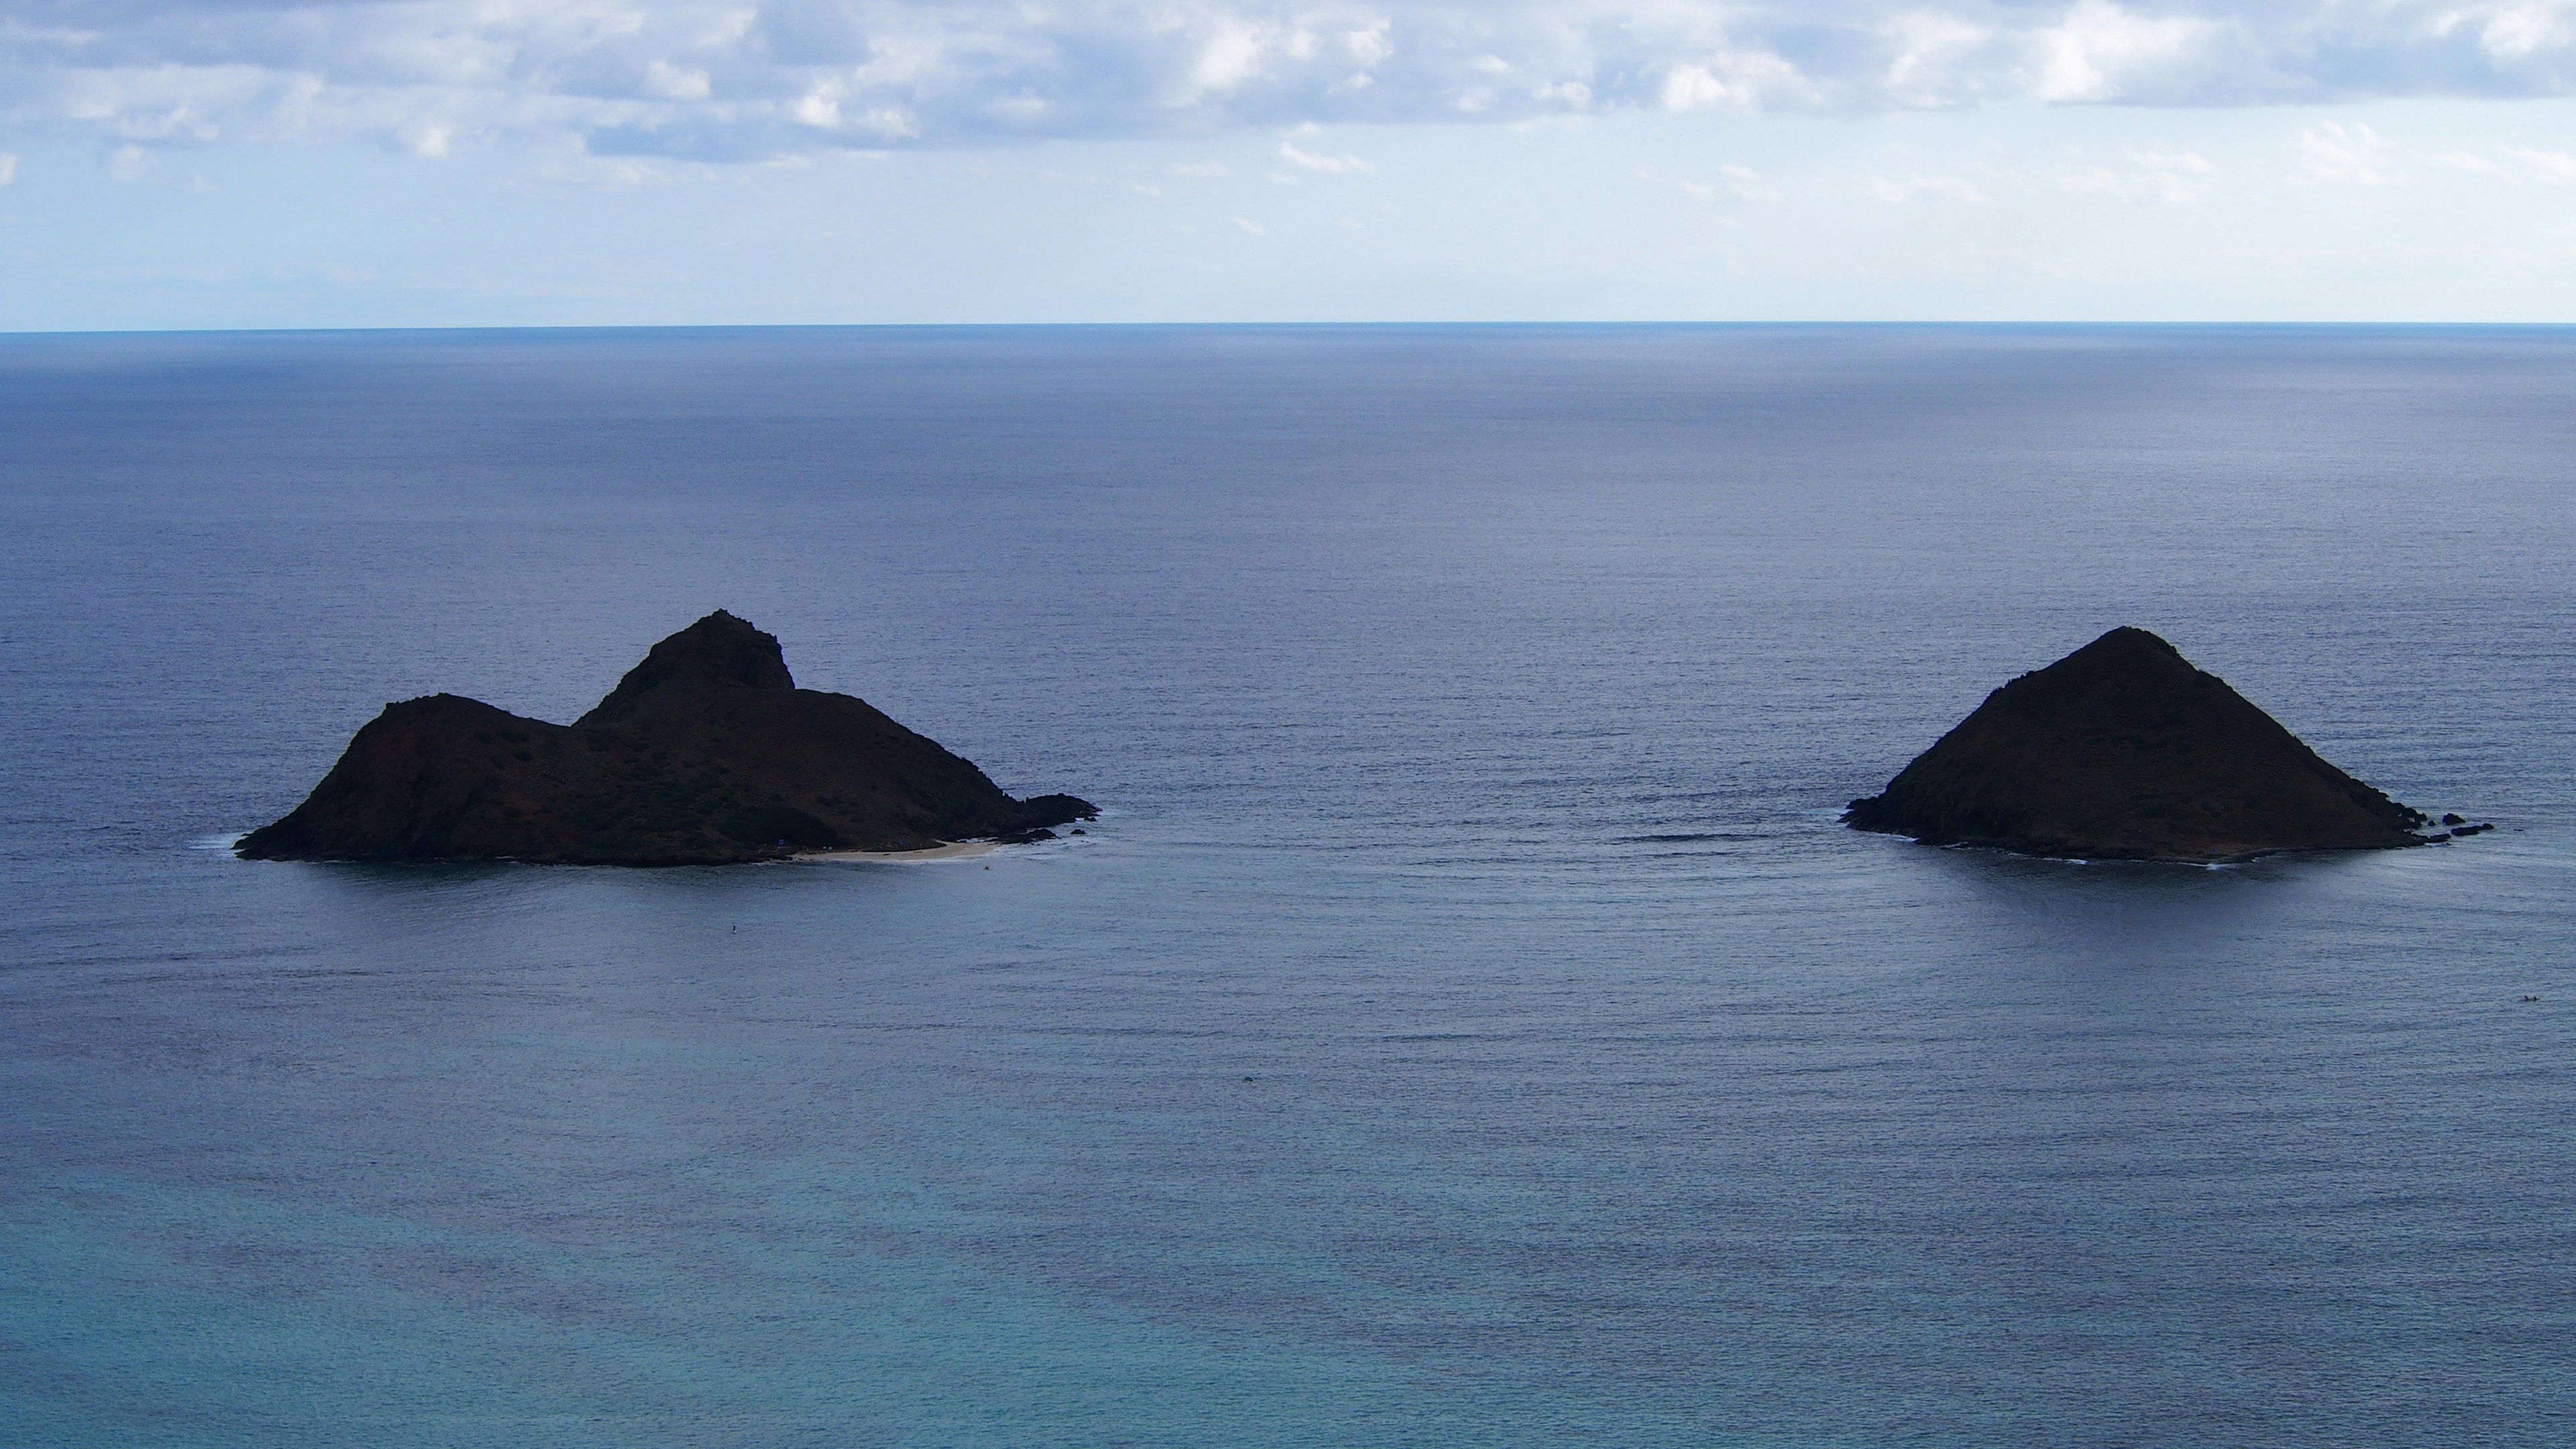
pixel 705 753
pixel 2123 751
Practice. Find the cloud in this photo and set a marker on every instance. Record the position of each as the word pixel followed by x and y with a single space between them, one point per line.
pixel 2171 178
pixel 2545 165
pixel 2335 152
pixel 8 168
pixel 2519 164
pixel 132 163
pixel 1305 160
pixel 2511 32
pixel 736 80
pixel 2101 52
pixel 1742 182
pixel 1946 188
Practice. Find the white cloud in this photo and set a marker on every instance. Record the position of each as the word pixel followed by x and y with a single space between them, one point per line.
pixel 2336 152
pixel 2100 50
pixel 1749 184
pixel 676 82
pixel 889 123
pixel 1253 227
pixel 1692 87
pixel 1741 182
pixel 1932 50
pixel 425 137
pixel 752 79
pixel 2545 165
pixel 1226 60
pixel 1333 165
pixel 819 108
pixel 2145 185
pixel 1198 168
pixel 2170 178
pixel 1946 188
pixel 2463 161
pixel 132 163
pixel 2181 163
pixel 606 173
pixel 2513 32
pixel 1740 80
pixel 8 168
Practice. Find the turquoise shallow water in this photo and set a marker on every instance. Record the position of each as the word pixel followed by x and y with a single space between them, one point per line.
pixel 1467 1024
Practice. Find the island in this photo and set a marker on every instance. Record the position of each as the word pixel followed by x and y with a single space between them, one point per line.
pixel 705 753
pixel 2124 751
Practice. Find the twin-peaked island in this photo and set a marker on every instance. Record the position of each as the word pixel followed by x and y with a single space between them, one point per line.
pixel 708 753
pixel 705 753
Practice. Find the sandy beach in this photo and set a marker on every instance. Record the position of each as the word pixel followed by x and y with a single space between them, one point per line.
pixel 957 850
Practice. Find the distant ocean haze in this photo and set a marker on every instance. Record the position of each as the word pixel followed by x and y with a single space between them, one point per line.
pixel 1468 1022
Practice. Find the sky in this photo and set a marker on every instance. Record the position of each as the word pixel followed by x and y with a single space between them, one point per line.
pixel 241 163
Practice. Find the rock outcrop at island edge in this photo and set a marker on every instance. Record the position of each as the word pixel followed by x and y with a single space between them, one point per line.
pixel 705 753
pixel 2123 751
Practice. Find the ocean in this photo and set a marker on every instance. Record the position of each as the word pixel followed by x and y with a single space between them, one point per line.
pixel 1467 1024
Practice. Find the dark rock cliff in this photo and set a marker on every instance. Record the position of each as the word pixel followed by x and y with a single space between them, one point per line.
pixel 2123 750
pixel 706 752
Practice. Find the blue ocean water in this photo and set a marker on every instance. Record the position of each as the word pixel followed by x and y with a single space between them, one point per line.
pixel 1467 1025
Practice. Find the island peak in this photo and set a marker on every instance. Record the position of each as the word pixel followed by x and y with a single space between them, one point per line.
pixel 2124 750
pixel 717 652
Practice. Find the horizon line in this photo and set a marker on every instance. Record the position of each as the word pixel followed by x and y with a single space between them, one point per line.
pixel 1711 324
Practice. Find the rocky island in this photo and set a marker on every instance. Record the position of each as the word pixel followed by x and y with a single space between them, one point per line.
pixel 705 753
pixel 2123 751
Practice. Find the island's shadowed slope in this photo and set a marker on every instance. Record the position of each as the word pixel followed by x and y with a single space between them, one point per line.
pixel 2123 751
pixel 706 752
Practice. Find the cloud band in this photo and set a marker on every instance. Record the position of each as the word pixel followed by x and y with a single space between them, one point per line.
pixel 722 81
